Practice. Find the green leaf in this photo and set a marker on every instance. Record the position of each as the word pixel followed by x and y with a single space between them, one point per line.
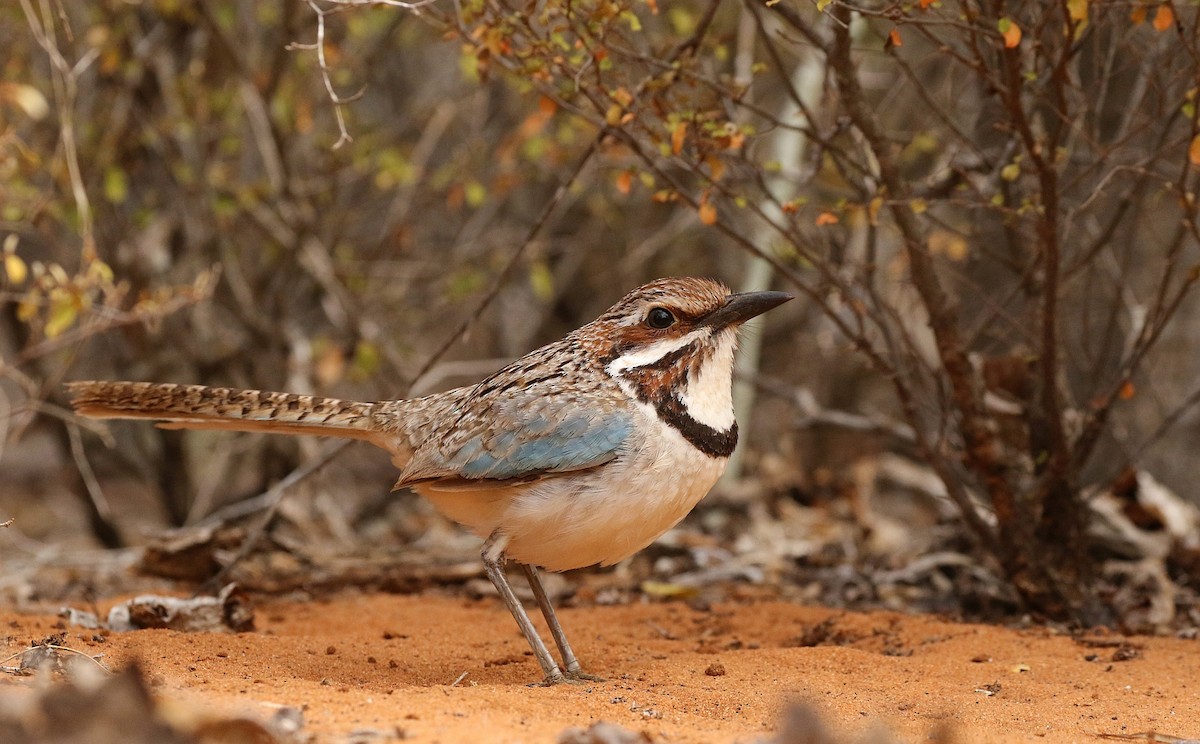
pixel 366 360
pixel 541 280
pixel 683 23
pixel 116 185
pixel 474 192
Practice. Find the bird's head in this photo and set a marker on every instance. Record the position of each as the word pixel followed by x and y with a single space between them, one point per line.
pixel 670 344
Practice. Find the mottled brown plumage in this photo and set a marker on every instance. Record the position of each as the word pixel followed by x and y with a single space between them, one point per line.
pixel 580 452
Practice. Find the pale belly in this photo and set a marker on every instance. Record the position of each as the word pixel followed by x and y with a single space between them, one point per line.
pixel 599 516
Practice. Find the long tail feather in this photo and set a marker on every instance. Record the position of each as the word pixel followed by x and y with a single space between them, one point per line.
pixel 201 407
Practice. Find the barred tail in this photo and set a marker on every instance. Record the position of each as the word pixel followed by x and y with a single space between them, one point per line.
pixel 201 407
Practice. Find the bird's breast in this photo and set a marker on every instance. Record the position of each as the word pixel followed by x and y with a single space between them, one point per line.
pixel 597 516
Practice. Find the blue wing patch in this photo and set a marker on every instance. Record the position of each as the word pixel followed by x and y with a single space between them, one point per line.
pixel 575 443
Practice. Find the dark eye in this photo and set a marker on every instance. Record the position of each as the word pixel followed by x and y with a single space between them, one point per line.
pixel 660 318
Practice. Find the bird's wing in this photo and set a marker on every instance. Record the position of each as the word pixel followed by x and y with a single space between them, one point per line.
pixel 518 438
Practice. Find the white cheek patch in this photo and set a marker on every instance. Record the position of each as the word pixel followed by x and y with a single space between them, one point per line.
pixel 707 390
pixel 708 393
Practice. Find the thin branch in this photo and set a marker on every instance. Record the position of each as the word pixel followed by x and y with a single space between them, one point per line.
pixel 326 76
pixel 502 278
pixel 64 81
pixel 270 501
pixel 91 484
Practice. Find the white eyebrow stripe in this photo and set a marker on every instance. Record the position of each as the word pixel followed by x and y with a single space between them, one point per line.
pixel 653 352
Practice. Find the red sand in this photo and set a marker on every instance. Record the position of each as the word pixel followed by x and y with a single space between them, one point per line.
pixel 386 662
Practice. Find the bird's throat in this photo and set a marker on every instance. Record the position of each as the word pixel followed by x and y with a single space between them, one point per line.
pixel 710 441
pixel 688 386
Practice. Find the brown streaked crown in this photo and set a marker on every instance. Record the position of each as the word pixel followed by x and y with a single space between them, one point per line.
pixel 626 325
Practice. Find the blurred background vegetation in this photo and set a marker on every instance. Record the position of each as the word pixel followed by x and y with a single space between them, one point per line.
pixel 988 207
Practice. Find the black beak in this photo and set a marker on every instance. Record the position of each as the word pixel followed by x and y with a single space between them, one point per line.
pixel 739 308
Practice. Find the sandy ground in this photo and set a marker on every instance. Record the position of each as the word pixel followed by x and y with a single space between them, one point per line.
pixel 363 664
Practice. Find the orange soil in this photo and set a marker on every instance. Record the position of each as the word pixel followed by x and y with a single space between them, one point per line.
pixel 386 662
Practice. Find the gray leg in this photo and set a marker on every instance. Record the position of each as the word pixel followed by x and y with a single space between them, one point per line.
pixel 493 564
pixel 570 662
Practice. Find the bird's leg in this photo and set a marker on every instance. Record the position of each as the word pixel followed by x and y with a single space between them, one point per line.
pixel 493 564
pixel 573 669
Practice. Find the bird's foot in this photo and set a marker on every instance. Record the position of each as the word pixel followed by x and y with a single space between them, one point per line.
pixel 581 676
pixel 577 677
pixel 552 679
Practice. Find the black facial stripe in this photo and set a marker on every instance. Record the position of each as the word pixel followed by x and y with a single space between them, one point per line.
pixel 670 359
pixel 654 384
pixel 701 436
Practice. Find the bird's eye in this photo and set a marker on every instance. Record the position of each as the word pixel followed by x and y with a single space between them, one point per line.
pixel 660 318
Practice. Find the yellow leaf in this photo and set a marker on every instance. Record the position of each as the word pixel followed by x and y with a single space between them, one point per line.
pixel 873 210
pixel 99 271
pixel 1077 9
pixel 822 5
pixel 63 311
pixel 918 206
pixel 28 98
pixel 949 244
pixel 708 214
pixel 1010 31
pixel 612 117
pixel 1194 150
pixel 58 274
pixel 27 308
pixel 1011 171
pixel 678 136
pixel 15 268
pixel 667 590
pixel 1164 17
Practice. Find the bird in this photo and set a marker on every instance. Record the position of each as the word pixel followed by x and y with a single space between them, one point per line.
pixel 579 453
